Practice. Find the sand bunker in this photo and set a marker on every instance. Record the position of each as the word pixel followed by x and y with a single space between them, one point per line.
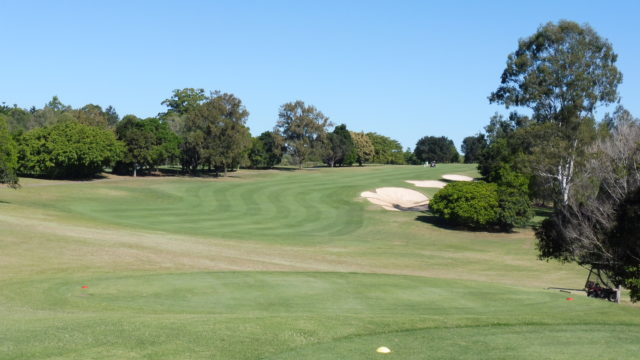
pixel 452 177
pixel 428 183
pixel 397 199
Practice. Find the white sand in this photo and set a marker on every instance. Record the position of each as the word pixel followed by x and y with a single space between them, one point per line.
pixel 397 199
pixel 428 183
pixel 453 177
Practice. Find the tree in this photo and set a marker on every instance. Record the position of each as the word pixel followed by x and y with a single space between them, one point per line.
pixel 386 149
pixel 148 143
pixel 598 225
pixel 562 72
pixel 215 133
pixel 339 148
pixel 303 128
pixel 112 116
pixel 266 150
pixel 185 101
pixel 8 156
pixel 432 148
pixel 92 115
pixel 472 147
pixel 410 157
pixel 363 147
pixel 67 150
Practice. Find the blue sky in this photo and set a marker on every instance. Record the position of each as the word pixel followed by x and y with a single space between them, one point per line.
pixel 402 69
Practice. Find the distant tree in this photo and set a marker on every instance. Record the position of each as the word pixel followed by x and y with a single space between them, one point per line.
pixel 266 150
pixel 185 100
pixel 363 147
pixel 386 150
pixel 562 72
pixel 91 115
pixel 472 147
pixel 8 157
pixel 52 113
pixel 148 143
pixel 410 157
pixel 215 133
pixel 67 150
pixel 112 116
pixel 432 148
pixel 338 148
pixel 303 128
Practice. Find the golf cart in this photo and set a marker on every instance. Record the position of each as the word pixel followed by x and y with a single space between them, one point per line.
pixel 598 286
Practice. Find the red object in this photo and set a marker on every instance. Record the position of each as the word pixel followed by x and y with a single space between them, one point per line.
pixel 85 287
pixel 569 299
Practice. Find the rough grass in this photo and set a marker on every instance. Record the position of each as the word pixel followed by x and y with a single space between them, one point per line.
pixel 279 265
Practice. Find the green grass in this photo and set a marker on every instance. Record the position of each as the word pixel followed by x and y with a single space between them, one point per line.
pixel 279 265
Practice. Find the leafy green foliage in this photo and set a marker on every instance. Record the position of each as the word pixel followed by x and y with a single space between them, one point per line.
pixel 469 204
pixel 304 129
pixel 472 147
pixel 148 142
pixel 266 150
pixel 386 150
pixel 410 157
pixel 562 72
pixel 514 206
pixel 339 148
pixel 503 205
pixel 439 149
pixel 8 156
pixel 184 101
pixel 363 147
pixel 67 150
pixel 214 133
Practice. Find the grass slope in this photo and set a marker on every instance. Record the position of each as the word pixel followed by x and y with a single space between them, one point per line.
pixel 278 265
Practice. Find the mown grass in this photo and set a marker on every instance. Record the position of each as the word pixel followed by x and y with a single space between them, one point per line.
pixel 279 265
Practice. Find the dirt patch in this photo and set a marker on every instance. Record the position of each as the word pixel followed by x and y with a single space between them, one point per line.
pixel 428 183
pixel 453 177
pixel 397 199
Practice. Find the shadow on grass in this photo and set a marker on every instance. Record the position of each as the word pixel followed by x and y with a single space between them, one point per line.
pixel 72 178
pixel 438 222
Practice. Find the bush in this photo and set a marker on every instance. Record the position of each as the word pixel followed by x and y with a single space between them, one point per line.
pixel 471 204
pixel 483 205
pixel 67 150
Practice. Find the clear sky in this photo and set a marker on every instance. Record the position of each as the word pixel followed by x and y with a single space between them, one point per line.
pixel 400 68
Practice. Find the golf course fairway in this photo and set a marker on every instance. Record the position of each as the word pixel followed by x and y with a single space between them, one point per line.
pixel 281 264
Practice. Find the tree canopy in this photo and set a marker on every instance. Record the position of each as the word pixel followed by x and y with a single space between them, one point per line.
pixel 214 133
pixel 304 129
pixel 386 149
pixel 148 143
pixel 67 150
pixel 472 147
pixel 562 73
pixel 339 148
pixel 432 148
pixel 8 155
pixel 363 147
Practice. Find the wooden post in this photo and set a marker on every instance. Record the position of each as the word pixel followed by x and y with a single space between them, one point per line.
pixel 618 294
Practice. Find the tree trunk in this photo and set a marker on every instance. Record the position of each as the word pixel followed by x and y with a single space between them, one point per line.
pixel 135 169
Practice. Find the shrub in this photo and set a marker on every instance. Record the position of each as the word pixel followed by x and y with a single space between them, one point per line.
pixel 471 204
pixel 67 150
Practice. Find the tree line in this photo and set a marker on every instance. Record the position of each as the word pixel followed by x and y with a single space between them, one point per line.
pixel 199 131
